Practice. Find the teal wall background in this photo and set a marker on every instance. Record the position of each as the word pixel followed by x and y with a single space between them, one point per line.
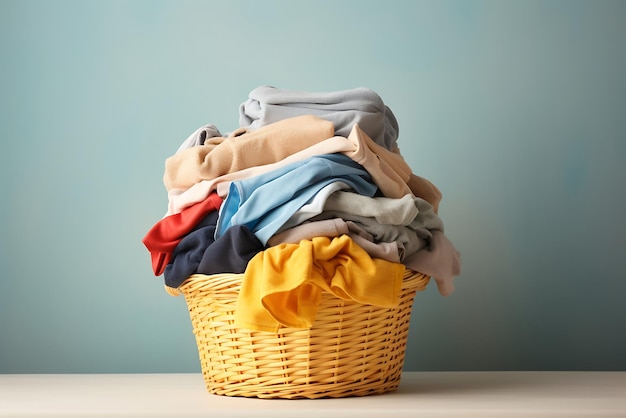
pixel 516 110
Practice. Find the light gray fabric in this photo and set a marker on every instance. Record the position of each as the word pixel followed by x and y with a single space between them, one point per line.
pixel 385 210
pixel 335 227
pixel 199 136
pixel 344 108
pixel 411 237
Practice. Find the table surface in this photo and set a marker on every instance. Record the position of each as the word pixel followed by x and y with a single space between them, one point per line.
pixel 421 394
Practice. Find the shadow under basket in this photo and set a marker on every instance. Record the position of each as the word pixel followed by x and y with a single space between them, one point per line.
pixel 351 350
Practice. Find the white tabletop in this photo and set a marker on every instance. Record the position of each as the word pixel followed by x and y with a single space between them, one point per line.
pixel 421 394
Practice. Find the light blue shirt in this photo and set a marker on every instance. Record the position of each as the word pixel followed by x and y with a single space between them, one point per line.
pixel 265 202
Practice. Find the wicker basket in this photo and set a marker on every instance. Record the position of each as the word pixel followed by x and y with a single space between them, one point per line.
pixel 352 349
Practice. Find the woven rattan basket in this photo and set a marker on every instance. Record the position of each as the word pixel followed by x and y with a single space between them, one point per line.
pixel 352 349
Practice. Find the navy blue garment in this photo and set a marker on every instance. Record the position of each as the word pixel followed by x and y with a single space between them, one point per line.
pixel 200 252
pixel 231 252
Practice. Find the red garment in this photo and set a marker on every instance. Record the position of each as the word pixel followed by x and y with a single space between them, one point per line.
pixel 164 236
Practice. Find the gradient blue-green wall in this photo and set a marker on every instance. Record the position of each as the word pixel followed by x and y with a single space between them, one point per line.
pixel 515 109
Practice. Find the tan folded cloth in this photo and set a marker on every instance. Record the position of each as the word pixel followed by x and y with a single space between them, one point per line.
pixel 265 145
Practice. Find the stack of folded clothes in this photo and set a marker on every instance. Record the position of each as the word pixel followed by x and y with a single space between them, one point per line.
pixel 309 194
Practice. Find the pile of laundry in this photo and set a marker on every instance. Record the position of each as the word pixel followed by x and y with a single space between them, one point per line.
pixel 309 194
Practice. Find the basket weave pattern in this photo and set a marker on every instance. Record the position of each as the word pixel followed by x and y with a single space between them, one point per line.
pixel 352 349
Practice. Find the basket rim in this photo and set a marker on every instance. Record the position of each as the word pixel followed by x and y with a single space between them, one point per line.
pixel 411 280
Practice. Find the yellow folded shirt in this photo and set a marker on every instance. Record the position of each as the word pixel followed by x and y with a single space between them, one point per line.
pixel 283 285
